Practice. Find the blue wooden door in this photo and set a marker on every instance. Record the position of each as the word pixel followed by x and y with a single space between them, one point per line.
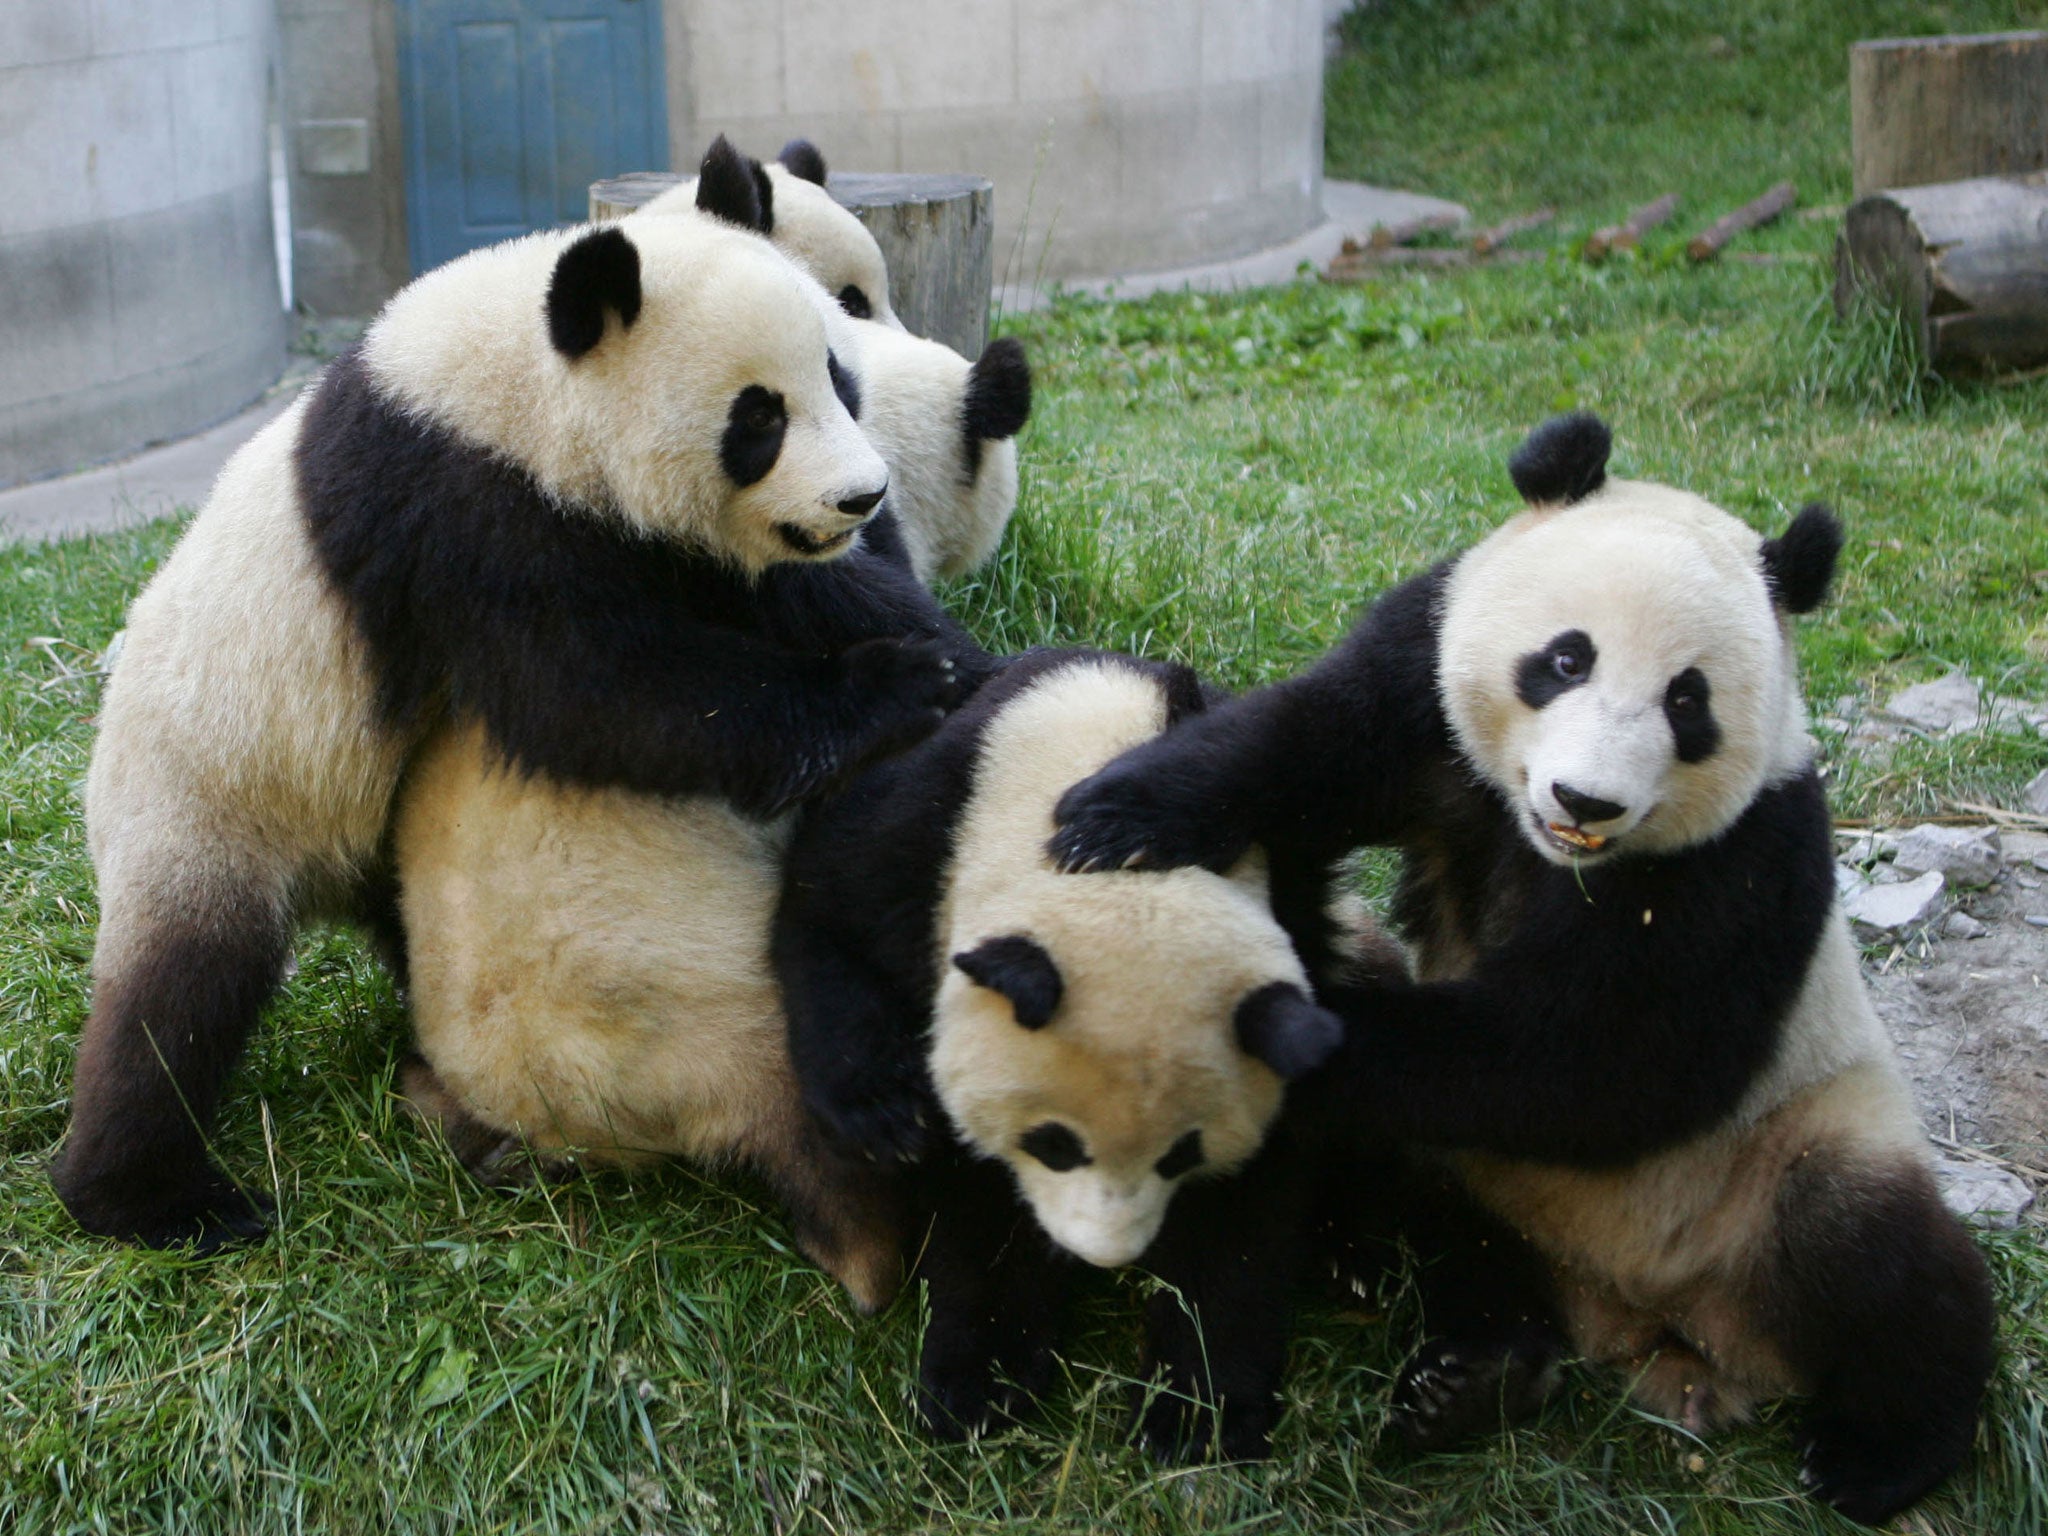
pixel 512 108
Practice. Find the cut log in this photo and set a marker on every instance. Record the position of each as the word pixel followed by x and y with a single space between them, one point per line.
pixel 937 235
pixel 1706 245
pixel 1488 240
pixel 1964 262
pixel 1628 234
pixel 1386 236
pixel 1939 109
pixel 1354 266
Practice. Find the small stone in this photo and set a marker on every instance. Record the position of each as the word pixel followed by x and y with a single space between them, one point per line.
pixel 2035 795
pixel 1961 925
pixel 2034 921
pixel 1944 706
pixel 1983 1195
pixel 1887 909
pixel 1967 855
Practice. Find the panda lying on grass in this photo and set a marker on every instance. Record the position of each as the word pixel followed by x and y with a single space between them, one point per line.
pixel 1639 1032
pixel 585 490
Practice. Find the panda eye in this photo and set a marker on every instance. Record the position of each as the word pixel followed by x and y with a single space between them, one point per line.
pixel 1184 1156
pixel 1054 1145
pixel 855 303
pixel 1561 664
pixel 1570 666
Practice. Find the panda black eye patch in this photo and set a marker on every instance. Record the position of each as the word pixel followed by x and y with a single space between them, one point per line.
pixel 753 434
pixel 1688 705
pixel 1558 666
pixel 1054 1145
pixel 844 385
pixel 855 302
pixel 1184 1156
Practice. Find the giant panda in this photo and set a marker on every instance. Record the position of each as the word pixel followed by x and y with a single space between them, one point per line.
pixel 944 426
pixel 1638 1031
pixel 1072 1073
pixel 581 489
pixel 947 430
pixel 812 227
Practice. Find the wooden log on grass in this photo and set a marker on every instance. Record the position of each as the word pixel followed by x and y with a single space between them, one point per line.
pixel 937 234
pixel 1706 245
pixel 1965 263
pixel 1487 241
pixel 1387 236
pixel 1940 109
pixel 1628 234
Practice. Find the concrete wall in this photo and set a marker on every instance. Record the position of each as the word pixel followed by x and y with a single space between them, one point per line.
pixel 1134 134
pixel 138 283
pixel 346 156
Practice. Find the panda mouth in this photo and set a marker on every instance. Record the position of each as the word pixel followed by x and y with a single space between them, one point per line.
pixel 1573 840
pixel 807 543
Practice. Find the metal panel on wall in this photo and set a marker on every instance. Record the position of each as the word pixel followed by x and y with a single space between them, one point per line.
pixel 513 107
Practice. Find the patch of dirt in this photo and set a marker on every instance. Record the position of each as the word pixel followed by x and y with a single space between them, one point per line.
pixel 1970 1016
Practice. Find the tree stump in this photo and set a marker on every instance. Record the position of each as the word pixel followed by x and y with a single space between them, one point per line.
pixel 1965 263
pixel 1936 109
pixel 937 235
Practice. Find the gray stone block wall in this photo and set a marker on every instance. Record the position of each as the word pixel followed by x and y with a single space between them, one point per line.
pixel 1122 135
pixel 140 299
pixel 345 151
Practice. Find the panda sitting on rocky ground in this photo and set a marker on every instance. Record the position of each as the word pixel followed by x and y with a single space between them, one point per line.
pixel 945 426
pixel 595 492
pixel 1638 1032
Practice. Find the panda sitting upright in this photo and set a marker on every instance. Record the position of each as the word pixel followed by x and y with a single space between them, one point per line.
pixel 1638 1028
pixel 583 489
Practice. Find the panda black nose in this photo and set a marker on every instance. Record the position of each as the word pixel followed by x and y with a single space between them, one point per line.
pixel 862 505
pixel 1585 808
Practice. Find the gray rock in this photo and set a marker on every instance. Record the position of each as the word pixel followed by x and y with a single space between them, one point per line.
pixel 2035 795
pixel 1981 1194
pixel 1960 925
pixel 1948 704
pixel 1847 878
pixel 1966 855
pixel 1866 848
pixel 1887 909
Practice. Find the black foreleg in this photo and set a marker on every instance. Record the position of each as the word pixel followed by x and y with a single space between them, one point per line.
pixel 997 1286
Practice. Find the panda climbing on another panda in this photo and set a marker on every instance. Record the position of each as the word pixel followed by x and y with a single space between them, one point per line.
pixel 1069 1071
pixel 1638 1031
pixel 598 492
pixel 946 427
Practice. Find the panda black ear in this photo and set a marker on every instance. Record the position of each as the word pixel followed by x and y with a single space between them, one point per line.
pixel 801 159
pixel 1562 461
pixel 734 188
pixel 1020 969
pixel 1800 562
pixel 998 399
pixel 1184 692
pixel 1280 1026
pixel 601 271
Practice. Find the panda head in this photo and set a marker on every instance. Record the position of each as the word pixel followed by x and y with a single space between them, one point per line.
pixel 714 384
pixel 947 429
pixel 1107 1038
pixel 812 227
pixel 1617 661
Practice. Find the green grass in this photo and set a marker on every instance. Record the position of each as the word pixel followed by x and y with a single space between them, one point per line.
pixel 1220 480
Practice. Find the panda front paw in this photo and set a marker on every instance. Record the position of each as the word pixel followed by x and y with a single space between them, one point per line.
pixel 883 1110
pixel 1175 1429
pixel 208 1210
pixel 1130 816
pixel 907 687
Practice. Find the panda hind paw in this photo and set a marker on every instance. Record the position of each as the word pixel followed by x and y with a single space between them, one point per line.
pixel 1176 1430
pixel 1452 1391
pixel 1867 1477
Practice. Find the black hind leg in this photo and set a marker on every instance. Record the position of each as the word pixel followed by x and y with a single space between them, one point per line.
pixel 175 995
pixel 1881 1304
pixel 997 1286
